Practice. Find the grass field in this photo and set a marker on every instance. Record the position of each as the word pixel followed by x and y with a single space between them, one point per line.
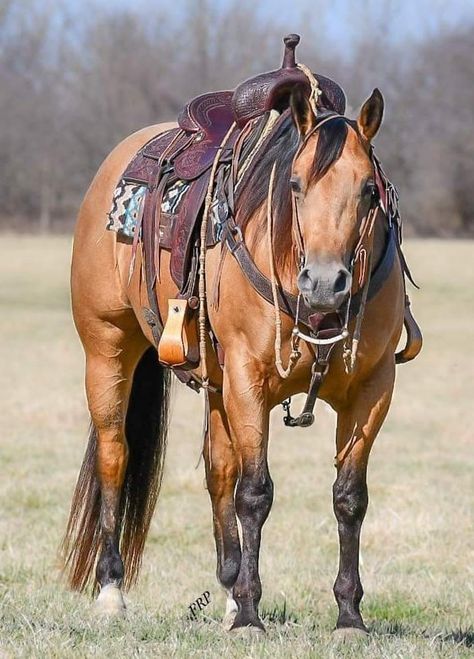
pixel 418 537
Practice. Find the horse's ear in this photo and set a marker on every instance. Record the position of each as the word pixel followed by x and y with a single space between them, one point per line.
pixel 370 115
pixel 302 112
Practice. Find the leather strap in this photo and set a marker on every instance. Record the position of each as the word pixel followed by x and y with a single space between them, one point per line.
pixel 320 368
pixel 287 301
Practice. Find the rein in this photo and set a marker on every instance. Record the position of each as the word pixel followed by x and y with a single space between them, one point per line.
pixel 324 345
pixel 283 301
pixel 362 255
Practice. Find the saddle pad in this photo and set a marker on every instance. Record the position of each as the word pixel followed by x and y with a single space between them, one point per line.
pixel 127 208
pixel 128 202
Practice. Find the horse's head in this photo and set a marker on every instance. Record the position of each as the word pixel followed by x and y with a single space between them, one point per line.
pixel 333 184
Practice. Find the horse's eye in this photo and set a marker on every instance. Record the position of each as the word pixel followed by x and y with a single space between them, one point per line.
pixel 370 190
pixel 295 184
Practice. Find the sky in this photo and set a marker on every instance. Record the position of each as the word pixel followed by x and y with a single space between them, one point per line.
pixel 338 19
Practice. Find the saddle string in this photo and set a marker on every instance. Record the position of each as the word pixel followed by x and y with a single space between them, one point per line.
pixel 231 185
pixel 316 91
pixel 273 117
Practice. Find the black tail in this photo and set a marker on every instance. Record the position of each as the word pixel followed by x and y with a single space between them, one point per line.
pixel 146 429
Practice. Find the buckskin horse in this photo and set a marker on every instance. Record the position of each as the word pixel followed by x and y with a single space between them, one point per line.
pixel 280 272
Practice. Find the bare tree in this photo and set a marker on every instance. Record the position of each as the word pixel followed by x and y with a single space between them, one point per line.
pixel 73 83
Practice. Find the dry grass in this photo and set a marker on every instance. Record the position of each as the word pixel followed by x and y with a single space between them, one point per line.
pixel 418 537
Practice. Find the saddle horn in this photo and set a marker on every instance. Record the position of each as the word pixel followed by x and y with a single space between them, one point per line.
pixel 289 60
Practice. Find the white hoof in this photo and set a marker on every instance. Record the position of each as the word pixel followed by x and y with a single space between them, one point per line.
pixel 110 601
pixel 231 609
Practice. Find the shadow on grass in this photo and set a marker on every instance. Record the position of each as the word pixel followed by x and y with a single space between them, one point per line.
pixel 460 637
pixel 463 637
pixel 279 615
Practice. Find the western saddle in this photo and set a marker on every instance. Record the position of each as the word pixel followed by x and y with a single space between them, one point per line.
pixel 187 153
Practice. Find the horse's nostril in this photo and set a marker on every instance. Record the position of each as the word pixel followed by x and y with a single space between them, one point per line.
pixel 304 279
pixel 340 284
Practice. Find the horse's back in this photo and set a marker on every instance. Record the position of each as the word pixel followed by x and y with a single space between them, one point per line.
pixel 98 197
pixel 99 262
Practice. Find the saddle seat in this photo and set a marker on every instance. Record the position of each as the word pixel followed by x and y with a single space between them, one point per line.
pixel 209 113
pixel 208 119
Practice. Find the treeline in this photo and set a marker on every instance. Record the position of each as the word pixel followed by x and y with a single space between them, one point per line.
pixel 74 82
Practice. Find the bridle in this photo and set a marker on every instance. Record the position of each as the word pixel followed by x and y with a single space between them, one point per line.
pixel 361 257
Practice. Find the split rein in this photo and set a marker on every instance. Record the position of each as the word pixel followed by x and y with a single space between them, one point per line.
pixel 361 256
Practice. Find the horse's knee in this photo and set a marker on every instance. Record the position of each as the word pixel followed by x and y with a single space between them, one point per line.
pixel 254 497
pixel 350 499
pixel 220 479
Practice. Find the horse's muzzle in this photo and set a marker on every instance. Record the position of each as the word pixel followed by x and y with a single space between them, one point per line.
pixel 324 285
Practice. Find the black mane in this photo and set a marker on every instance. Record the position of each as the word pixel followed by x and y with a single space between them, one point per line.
pixel 331 139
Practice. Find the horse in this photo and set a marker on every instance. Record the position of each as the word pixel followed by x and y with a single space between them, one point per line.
pixel 322 174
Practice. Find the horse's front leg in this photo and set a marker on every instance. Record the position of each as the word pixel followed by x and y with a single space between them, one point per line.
pixel 221 476
pixel 357 426
pixel 245 401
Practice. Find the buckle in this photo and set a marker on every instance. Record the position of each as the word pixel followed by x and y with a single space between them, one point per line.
pixel 233 244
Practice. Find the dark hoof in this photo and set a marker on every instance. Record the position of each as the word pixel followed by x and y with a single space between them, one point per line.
pixel 247 616
pixel 248 633
pixel 350 634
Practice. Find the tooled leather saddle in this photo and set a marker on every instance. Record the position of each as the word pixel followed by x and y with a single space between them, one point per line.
pixel 185 155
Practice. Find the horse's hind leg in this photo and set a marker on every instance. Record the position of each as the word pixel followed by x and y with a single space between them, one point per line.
pixel 221 475
pixel 357 427
pixel 112 353
pixel 109 374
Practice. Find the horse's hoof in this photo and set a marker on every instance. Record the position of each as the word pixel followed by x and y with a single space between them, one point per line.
pixel 110 602
pixel 231 610
pixel 228 620
pixel 349 634
pixel 249 633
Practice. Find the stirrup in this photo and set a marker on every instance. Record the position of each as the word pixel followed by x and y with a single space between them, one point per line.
pixel 179 343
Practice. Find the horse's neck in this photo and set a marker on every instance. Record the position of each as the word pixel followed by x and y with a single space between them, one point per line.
pixel 256 239
pixel 380 238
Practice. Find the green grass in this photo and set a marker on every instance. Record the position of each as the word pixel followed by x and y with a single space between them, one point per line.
pixel 417 541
